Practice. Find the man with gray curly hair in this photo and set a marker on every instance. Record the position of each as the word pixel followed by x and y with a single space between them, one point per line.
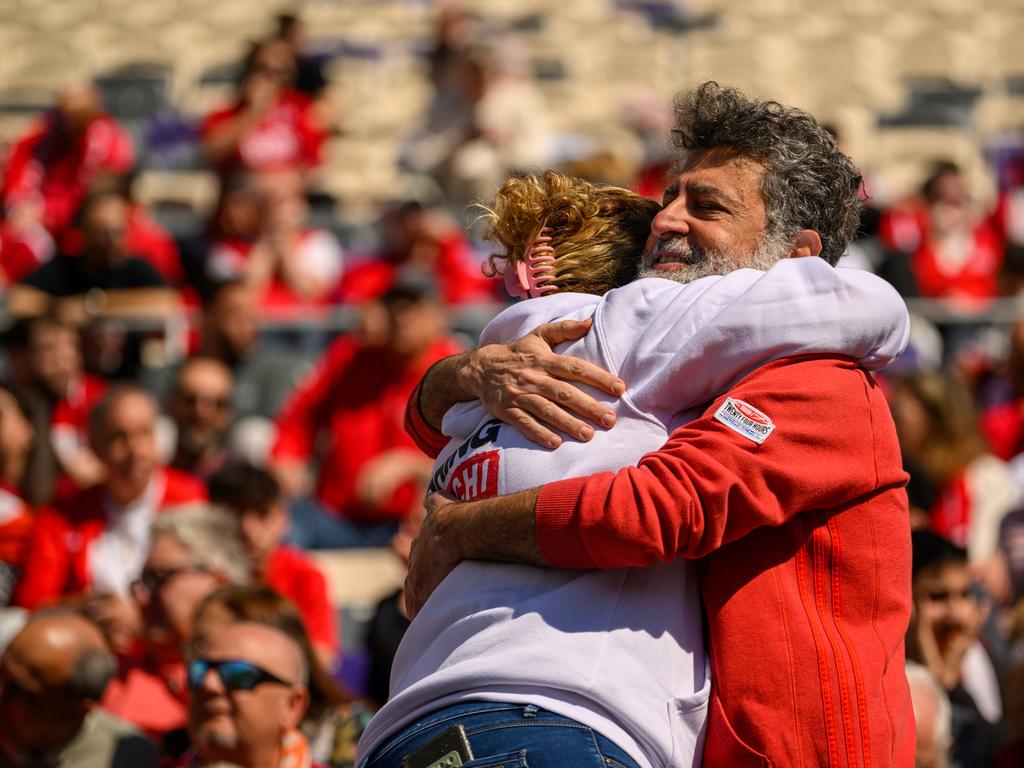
pixel 786 489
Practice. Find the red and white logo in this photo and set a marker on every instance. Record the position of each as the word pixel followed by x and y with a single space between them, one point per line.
pixel 476 477
pixel 745 419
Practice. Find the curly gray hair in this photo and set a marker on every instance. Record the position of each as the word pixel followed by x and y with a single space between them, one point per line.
pixel 808 183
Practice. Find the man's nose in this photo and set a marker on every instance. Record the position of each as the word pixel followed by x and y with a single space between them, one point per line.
pixel 670 220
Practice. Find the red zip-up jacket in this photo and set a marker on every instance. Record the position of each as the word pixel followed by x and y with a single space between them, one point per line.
pixel 804 547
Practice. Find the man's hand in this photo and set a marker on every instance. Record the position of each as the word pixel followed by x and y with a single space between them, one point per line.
pixel 500 529
pixel 433 555
pixel 529 387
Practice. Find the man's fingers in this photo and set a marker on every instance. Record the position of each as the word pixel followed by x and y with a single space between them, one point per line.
pixel 563 330
pixel 570 368
pixel 529 409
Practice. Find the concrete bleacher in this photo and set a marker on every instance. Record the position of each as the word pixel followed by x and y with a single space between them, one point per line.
pixel 848 61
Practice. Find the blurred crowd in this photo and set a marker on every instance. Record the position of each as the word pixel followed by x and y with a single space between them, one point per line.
pixel 166 454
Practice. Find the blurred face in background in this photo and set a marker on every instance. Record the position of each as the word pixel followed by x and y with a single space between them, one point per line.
pixel 103 228
pixel 412 326
pixel 263 530
pixel 126 444
pixel 284 207
pixel 172 586
pixel 77 105
pixel 239 214
pixel 201 406
pixel 55 358
pixel 230 324
pixel 944 594
pixel 949 203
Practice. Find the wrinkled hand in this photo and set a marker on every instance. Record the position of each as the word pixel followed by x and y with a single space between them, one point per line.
pixel 530 387
pixel 434 554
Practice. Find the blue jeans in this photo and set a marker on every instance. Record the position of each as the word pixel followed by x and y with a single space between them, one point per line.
pixel 508 735
pixel 314 526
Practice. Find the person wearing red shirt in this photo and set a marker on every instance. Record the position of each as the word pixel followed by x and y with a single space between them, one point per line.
pixel 420 238
pixel 958 257
pixel 92 546
pixel 51 168
pixel 271 126
pixel 255 497
pixel 371 473
pixel 795 513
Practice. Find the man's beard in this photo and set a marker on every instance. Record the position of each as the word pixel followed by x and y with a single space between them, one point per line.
pixel 701 262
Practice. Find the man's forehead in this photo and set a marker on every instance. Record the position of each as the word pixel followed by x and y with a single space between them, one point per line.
pixel 721 167
pixel 259 644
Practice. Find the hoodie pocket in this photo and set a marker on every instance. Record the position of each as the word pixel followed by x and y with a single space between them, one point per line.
pixel 725 747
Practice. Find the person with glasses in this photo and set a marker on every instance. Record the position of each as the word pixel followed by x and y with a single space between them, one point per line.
pixel 200 405
pixel 248 685
pixel 195 550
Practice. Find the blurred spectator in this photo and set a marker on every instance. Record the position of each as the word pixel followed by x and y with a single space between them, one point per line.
pixel 426 240
pixel 67 394
pixel 230 328
pixel 1003 422
pixel 371 473
pixel 309 71
pixel 943 637
pixel 94 543
pixel 938 429
pixel 255 497
pixel 932 713
pixel 16 518
pixel 50 169
pixel 200 407
pixel 52 676
pixel 195 550
pixel 271 126
pixel 486 121
pixel 143 236
pixel 67 282
pixel 285 262
pixel 249 692
pixel 333 723
pixel 954 254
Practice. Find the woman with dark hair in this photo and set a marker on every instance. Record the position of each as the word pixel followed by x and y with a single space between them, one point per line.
pixel 334 720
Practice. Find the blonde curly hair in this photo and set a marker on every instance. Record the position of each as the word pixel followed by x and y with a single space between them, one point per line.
pixel 597 232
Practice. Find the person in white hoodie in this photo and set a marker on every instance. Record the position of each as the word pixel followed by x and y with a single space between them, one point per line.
pixel 581 668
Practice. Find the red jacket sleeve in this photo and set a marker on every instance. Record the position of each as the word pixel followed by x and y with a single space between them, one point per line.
pixel 710 485
pixel 47 562
pixel 429 440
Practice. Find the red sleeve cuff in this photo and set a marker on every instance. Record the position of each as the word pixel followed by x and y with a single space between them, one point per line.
pixel 558 524
pixel 427 439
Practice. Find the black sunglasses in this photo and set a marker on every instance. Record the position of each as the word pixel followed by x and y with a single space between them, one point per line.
pixel 236 675
pixel 152 579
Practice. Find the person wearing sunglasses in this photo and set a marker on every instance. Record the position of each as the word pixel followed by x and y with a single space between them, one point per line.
pixel 195 550
pixel 248 686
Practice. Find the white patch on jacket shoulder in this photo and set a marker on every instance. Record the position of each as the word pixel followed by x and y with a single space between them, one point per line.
pixel 746 419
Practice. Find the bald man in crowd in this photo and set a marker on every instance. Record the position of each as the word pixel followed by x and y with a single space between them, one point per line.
pixel 52 675
pixel 248 694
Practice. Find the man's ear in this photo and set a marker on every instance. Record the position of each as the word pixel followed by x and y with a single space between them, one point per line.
pixel 295 707
pixel 807 243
